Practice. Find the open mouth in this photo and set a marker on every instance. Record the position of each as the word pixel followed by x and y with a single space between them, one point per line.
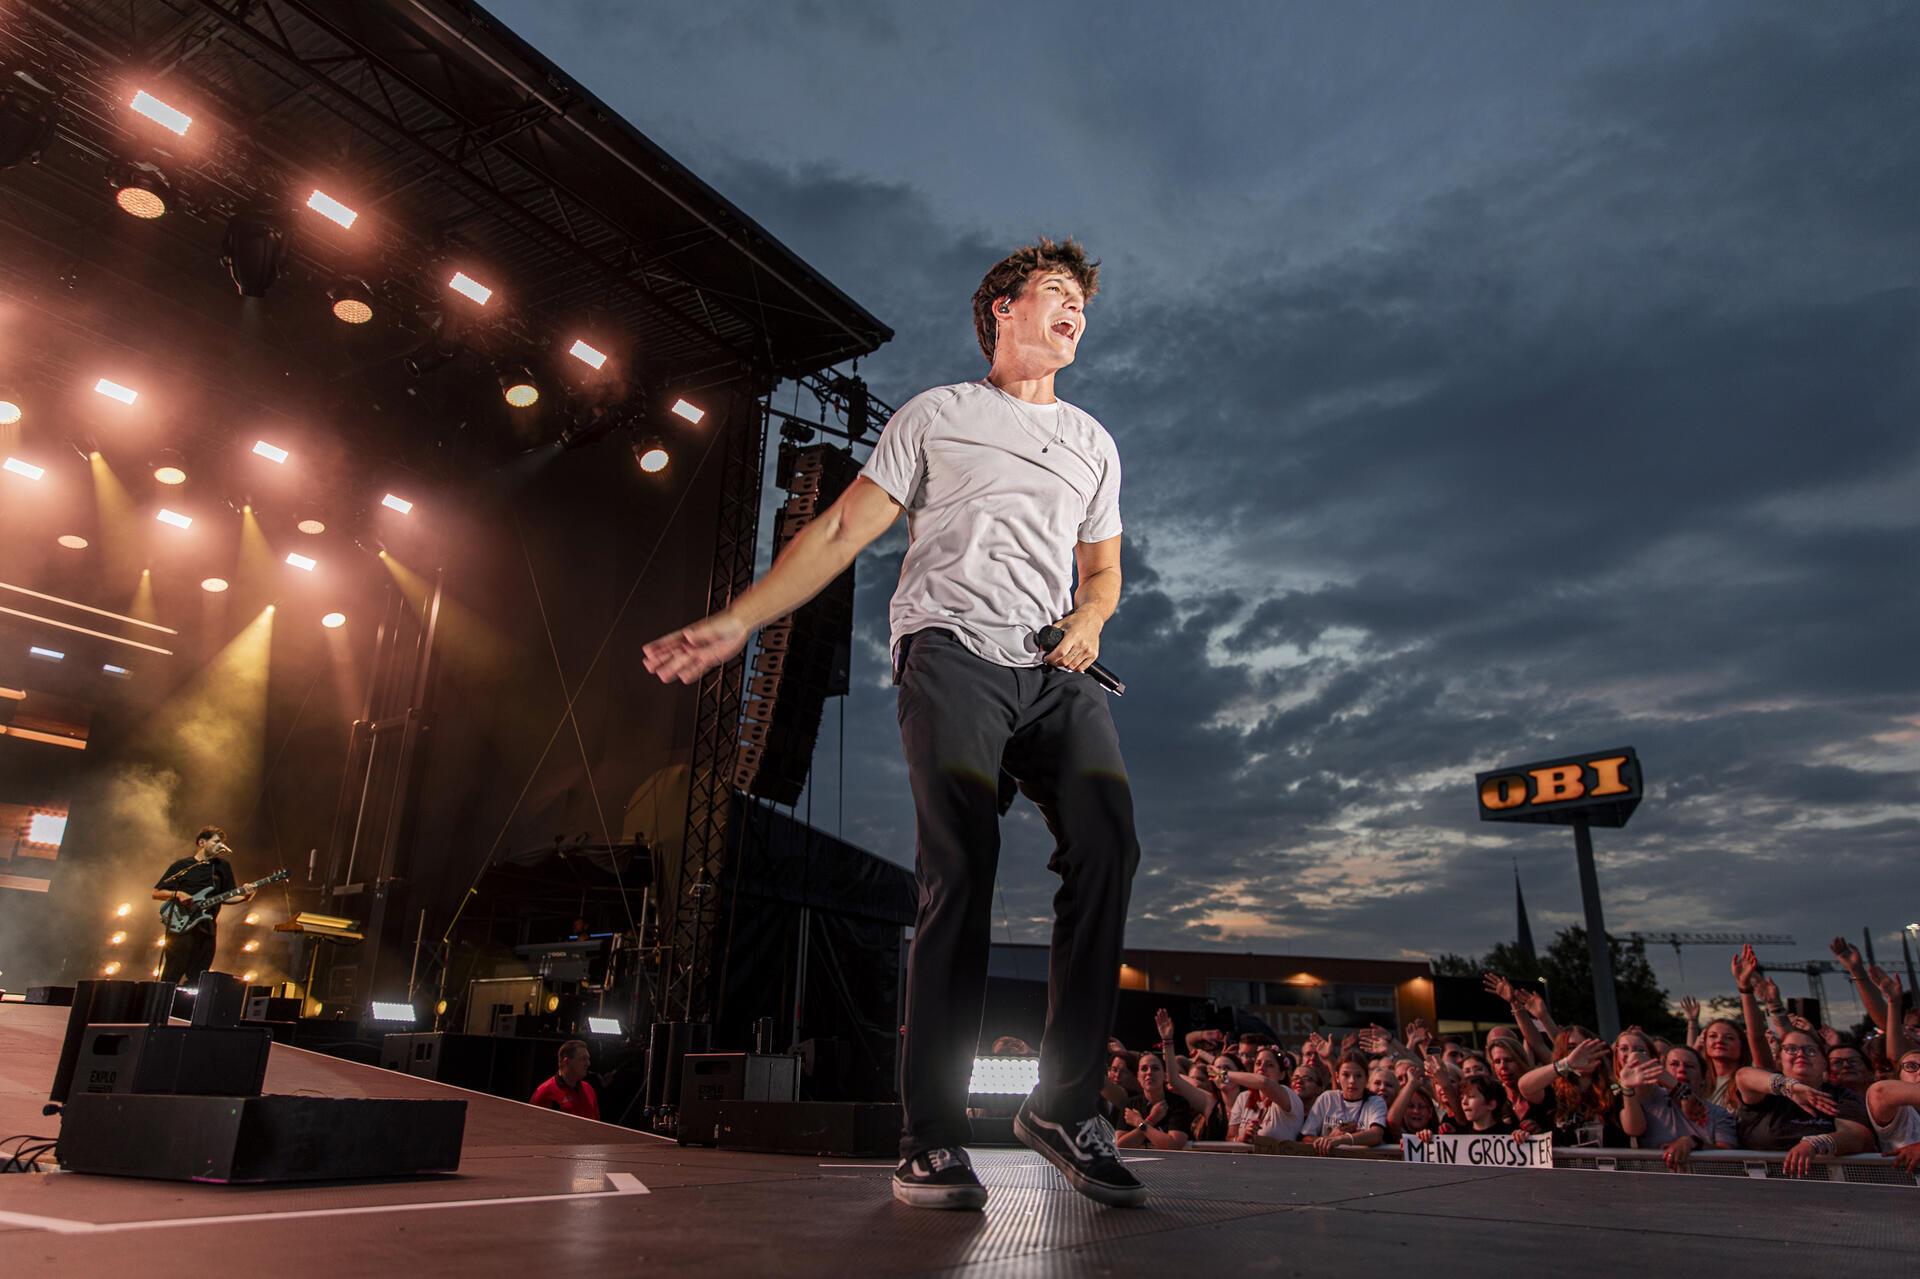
pixel 1065 329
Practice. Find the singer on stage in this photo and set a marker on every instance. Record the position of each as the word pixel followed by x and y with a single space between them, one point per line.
pixel 1013 514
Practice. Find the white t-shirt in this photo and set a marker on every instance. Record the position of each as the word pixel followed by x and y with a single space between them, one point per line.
pixel 1274 1122
pixel 1331 1110
pixel 997 492
pixel 1903 1131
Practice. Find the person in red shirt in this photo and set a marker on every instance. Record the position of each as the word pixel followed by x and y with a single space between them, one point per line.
pixel 569 1090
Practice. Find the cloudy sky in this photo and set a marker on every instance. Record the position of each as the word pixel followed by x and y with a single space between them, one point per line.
pixel 1494 382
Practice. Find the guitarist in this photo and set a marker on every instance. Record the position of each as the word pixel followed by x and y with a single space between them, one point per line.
pixel 191 953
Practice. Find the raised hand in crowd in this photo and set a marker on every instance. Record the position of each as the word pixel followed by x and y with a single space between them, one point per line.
pixel 1374 1041
pixel 1494 984
pixel 1690 1009
pixel 1163 1022
pixel 1347 1042
pixel 1416 1033
pixel 1888 985
pixel 1844 952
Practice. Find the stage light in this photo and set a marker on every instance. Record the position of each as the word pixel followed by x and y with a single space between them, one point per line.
pixel 255 248
pixel 517 384
pixel 586 355
pixel 116 939
pixel 250 947
pixel 331 209
pixel 1004 1076
pixel 72 541
pixel 334 621
pixel 432 354
pixel 383 1011
pixel 169 474
pixel 466 285
pixel 253 917
pixel 171 118
pixel 352 301
pixel 123 910
pixel 10 413
pixel 651 454
pixel 213 585
pixel 315 1008
pixel 110 969
pixel 46 654
pixel 394 503
pixel 248 976
pixel 300 561
pixel 118 672
pixel 603 1025
pixel 440 1009
pixel 27 469
pixel 312 528
pixel 114 391
pixel 46 829
pixel 269 451
pixel 29 116
pixel 174 518
pixel 141 193
pixel 692 412
pixel 553 1003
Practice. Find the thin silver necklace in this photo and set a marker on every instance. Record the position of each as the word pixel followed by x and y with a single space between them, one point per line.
pixel 1028 426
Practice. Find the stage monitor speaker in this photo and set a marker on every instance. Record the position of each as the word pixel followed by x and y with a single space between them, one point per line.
pixel 712 1077
pixel 862 1129
pixel 59 996
pixel 259 1139
pixel 272 1008
pixel 218 999
pixel 93 1001
pixel 213 1061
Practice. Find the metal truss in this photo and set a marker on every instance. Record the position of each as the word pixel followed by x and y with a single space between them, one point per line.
pixel 692 903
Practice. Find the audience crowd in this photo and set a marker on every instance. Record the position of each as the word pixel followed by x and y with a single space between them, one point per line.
pixel 1765 1081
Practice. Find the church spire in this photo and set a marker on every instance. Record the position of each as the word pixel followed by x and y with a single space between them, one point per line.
pixel 1525 936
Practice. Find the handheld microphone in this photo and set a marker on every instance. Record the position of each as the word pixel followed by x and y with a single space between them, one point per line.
pixel 1049 637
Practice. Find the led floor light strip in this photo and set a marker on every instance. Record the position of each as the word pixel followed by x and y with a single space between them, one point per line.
pixel 88 608
pixel 69 626
pixel 35 735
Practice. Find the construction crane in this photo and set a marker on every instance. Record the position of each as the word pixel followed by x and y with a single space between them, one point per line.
pixel 1725 941
pixel 1813 969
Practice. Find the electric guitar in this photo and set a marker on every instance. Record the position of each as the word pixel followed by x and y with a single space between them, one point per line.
pixel 179 915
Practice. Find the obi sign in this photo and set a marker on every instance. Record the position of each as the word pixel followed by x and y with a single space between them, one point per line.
pixel 1600 788
pixel 1480 1150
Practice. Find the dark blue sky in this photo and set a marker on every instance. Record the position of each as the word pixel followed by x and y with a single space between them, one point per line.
pixel 1493 381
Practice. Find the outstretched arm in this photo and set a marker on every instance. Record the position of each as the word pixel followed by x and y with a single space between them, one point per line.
pixel 819 554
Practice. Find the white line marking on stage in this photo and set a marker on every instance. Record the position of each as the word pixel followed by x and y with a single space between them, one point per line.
pixel 856 1165
pixel 624 1183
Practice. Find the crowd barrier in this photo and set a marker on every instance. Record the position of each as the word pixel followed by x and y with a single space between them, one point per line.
pixel 1864 1169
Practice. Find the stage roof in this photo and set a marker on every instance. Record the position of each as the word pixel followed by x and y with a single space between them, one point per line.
pixel 459 145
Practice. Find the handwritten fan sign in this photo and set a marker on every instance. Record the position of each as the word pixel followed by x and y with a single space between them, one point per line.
pixel 1480 1150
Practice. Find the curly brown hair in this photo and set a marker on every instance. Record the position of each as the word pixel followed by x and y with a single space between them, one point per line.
pixel 1009 278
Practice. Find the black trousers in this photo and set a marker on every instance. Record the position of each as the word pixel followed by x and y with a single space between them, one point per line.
pixel 188 955
pixel 962 720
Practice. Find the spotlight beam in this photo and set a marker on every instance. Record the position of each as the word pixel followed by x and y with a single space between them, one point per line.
pixel 69 626
pixel 88 608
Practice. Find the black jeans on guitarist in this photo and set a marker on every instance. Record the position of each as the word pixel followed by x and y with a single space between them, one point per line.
pixel 189 954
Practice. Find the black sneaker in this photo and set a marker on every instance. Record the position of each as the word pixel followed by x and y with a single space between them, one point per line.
pixel 939 1179
pixel 1085 1155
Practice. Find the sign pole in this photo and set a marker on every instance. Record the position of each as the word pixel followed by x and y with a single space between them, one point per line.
pixel 1606 1007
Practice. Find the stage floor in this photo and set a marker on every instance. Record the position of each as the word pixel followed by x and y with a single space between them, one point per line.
pixel 539 1190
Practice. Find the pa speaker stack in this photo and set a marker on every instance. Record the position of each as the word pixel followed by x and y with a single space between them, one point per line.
pixel 804 657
